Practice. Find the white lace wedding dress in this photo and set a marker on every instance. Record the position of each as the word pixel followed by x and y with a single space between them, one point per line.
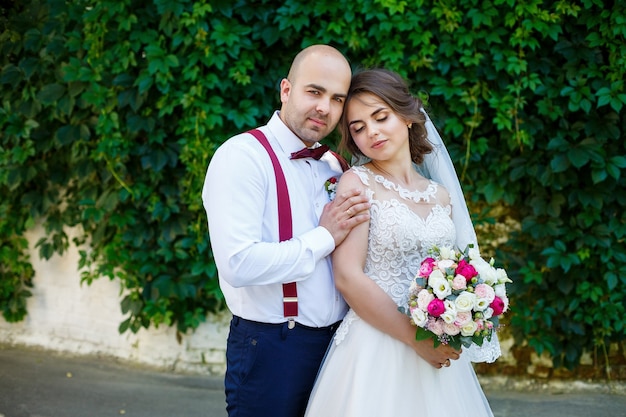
pixel 367 373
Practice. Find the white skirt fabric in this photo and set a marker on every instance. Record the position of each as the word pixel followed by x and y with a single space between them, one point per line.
pixel 367 373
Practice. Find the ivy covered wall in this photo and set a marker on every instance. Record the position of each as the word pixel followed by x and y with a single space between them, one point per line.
pixel 111 111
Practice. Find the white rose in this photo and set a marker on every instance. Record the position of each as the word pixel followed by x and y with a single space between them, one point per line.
pixel 419 317
pixel 469 329
pixel 465 301
pixel 449 315
pixel 488 313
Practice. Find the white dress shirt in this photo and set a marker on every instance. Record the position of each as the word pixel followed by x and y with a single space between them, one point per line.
pixel 240 199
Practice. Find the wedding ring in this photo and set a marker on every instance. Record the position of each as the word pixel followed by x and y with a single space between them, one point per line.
pixel 446 363
pixel 348 212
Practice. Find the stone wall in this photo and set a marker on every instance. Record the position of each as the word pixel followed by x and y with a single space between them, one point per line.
pixel 68 317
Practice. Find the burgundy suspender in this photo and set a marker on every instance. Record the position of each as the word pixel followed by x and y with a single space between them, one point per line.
pixel 285 228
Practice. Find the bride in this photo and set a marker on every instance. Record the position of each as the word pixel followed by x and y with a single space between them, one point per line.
pixel 374 366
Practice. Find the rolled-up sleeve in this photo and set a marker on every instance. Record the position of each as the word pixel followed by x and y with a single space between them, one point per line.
pixel 239 198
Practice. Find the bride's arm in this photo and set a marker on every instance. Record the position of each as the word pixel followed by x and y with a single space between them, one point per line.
pixel 367 299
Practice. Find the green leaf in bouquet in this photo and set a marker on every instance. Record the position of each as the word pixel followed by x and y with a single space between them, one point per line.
pixel 455 343
pixel 467 341
pixel 478 340
pixel 423 334
pixel 420 281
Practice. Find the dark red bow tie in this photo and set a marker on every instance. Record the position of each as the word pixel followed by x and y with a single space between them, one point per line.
pixel 310 153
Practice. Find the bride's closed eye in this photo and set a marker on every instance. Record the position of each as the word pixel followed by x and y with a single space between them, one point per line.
pixel 356 128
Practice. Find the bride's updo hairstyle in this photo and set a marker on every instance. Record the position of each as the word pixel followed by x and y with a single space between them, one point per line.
pixel 390 88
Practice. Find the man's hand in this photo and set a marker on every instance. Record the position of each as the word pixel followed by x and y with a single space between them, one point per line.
pixel 346 211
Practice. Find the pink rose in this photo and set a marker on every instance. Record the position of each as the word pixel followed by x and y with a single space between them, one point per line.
pixel 459 283
pixel 444 264
pixel 485 291
pixel 497 305
pixel 426 268
pixel 423 299
pixel 435 326
pixel 462 318
pixel 465 269
pixel 451 329
pixel 436 307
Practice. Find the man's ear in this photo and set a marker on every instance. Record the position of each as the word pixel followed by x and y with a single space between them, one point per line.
pixel 285 90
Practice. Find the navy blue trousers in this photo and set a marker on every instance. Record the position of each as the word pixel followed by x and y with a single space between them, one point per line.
pixel 271 369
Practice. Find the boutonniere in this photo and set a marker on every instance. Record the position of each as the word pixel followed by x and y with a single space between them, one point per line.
pixel 331 187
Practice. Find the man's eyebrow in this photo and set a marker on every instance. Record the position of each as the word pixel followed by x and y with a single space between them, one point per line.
pixel 374 113
pixel 323 90
pixel 317 87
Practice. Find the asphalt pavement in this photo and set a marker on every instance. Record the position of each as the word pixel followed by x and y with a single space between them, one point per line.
pixel 36 383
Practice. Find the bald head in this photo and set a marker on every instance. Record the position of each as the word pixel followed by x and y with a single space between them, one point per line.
pixel 313 94
pixel 315 53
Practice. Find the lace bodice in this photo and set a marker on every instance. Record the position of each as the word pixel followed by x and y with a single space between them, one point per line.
pixel 404 225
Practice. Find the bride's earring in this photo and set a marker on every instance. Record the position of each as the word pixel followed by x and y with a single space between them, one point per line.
pixel 410 125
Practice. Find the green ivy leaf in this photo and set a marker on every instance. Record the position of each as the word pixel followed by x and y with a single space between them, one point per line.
pixel 68 134
pixel 560 163
pixel 51 93
pixel 10 75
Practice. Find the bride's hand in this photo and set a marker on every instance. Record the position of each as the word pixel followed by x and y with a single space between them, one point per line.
pixel 437 357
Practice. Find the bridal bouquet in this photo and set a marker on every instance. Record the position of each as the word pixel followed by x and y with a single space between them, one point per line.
pixel 457 298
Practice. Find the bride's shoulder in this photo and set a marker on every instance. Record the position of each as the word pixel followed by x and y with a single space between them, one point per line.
pixel 359 172
pixel 355 177
pixel 442 195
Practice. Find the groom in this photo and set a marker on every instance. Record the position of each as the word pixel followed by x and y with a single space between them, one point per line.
pixel 273 354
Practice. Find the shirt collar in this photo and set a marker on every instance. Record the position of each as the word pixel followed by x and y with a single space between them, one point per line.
pixel 287 140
